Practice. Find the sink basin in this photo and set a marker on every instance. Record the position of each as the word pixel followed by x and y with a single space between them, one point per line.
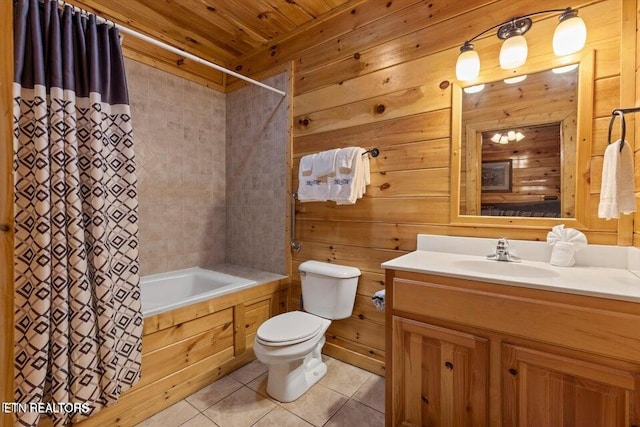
pixel 501 268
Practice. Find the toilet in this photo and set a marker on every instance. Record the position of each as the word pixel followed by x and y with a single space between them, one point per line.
pixel 290 344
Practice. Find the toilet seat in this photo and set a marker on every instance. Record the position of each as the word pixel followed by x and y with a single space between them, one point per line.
pixel 289 328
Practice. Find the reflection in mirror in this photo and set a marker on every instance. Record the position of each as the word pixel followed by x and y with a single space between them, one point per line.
pixel 518 147
pixel 532 187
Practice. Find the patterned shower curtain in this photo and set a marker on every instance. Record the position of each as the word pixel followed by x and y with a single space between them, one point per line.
pixel 78 321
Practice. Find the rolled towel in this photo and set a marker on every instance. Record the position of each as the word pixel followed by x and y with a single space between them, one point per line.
pixel 565 242
pixel 378 300
pixel 563 254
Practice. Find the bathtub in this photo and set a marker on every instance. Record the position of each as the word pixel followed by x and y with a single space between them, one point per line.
pixel 167 291
pixel 199 325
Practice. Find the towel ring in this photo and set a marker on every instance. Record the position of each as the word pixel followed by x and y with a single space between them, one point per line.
pixel 623 127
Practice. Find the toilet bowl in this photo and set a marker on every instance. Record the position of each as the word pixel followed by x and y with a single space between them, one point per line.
pixel 295 364
pixel 290 344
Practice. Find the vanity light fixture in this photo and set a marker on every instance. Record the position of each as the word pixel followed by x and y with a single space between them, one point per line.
pixel 508 136
pixel 569 37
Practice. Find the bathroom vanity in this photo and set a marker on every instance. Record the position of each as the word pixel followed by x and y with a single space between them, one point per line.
pixel 474 342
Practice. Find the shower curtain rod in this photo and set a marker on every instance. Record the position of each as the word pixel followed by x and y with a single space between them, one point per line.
pixel 172 49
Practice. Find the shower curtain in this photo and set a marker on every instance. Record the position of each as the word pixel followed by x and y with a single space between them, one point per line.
pixel 78 321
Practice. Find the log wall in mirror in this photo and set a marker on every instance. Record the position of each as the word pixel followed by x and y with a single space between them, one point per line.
pixel 518 149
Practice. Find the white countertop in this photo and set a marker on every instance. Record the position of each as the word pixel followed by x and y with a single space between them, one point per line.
pixel 600 281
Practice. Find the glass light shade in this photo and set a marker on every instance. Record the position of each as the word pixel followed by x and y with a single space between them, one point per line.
pixel 509 136
pixel 570 36
pixel 473 89
pixel 513 53
pixel 468 66
pixel 517 79
pixel 564 69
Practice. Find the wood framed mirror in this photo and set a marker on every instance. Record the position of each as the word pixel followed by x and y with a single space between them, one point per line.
pixel 520 151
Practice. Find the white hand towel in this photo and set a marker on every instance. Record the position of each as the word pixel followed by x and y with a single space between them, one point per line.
pixel 363 175
pixel 306 164
pixel 324 164
pixel 625 180
pixel 310 186
pixel 617 192
pixel 346 186
pixel 366 171
pixel 565 242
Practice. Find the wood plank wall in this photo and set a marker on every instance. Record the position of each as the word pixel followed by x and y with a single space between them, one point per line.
pixel 632 54
pixel 6 208
pixel 386 83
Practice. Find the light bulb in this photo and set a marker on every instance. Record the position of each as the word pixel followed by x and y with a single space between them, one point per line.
pixel 570 35
pixel 473 89
pixel 511 135
pixel 468 64
pixel 519 136
pixel 513 53
pixel 517 79
pixel 496 138
pixel 564 69
pixel 504 139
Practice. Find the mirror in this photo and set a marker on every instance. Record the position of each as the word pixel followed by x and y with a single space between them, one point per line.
pixel 515 150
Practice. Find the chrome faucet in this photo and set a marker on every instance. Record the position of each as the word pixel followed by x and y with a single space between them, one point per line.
pixel 502 252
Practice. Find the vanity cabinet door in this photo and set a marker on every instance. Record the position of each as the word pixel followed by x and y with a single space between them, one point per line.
pixel 545 389
pixel 440 376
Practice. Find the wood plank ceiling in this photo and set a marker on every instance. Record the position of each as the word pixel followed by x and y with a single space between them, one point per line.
pixel 220 31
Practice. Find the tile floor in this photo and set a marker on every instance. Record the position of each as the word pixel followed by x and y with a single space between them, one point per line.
pixel 346 396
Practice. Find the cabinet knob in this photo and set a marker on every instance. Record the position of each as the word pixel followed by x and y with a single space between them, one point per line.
pixel 513 372
pixel 5 227
pixel 448 365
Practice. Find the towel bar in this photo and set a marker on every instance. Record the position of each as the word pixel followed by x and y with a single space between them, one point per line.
pixel 296 246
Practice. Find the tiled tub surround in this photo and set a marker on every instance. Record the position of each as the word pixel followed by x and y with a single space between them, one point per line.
pixel 256 176
pixel 179 130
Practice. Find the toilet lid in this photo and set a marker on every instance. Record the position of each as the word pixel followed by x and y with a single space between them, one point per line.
pixel 289 328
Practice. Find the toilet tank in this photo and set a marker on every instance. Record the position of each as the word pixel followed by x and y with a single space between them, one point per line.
pixel 328 290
